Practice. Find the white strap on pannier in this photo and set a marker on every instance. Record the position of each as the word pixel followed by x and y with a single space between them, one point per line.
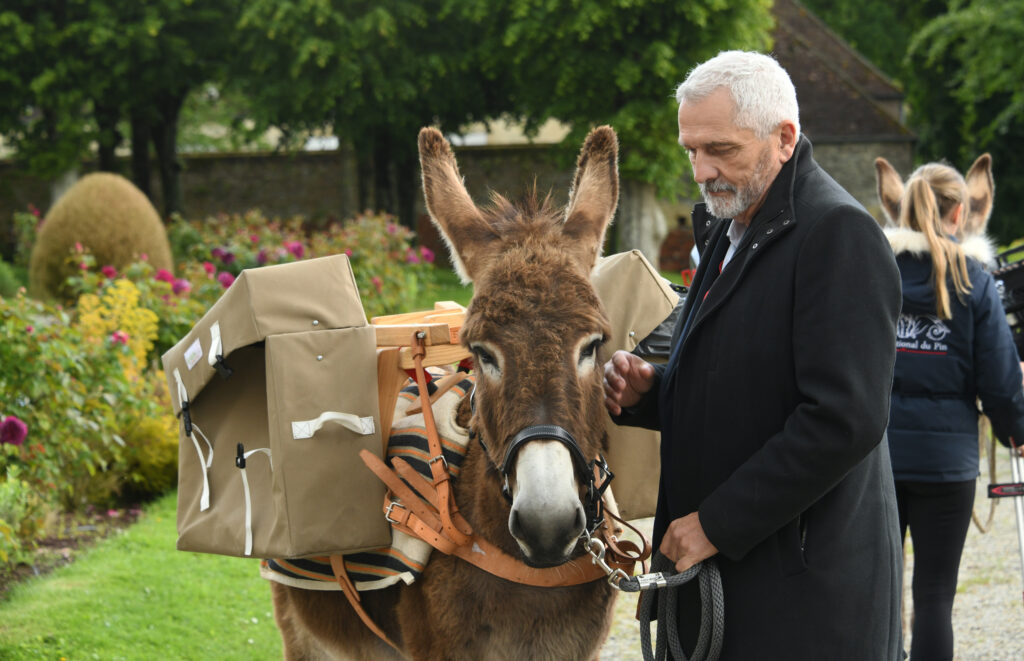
pixel 241 462
pixel 204 462
pixel 307 428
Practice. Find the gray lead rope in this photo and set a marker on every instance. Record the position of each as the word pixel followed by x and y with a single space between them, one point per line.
pixel 709 641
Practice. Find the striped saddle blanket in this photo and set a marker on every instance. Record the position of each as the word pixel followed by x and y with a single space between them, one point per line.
pixel 405 559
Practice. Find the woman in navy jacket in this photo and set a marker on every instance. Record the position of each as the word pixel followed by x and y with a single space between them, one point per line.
pixel 954 349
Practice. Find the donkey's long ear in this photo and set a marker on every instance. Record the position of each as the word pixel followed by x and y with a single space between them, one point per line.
pixel 462 225
pixel 890 189
pixel 594 195
pixel 981 190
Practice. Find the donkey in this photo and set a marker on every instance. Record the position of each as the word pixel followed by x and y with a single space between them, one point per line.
pixel 981 192
pixel 534 326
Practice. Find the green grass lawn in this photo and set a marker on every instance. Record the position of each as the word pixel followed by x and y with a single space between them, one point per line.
pixel 134 596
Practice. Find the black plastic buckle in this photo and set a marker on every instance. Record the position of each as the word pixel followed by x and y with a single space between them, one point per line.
pixel 186 418
pixel 240 456
pixel 222 367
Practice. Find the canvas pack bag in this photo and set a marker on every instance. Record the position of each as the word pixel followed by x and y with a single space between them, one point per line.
pixel 276 390
pixel 637 300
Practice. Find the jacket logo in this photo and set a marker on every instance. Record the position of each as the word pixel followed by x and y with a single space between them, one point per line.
pixel 921 333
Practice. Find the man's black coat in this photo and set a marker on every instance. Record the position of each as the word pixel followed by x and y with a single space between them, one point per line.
pixel 773 411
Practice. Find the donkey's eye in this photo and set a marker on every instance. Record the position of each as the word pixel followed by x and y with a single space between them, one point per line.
pixel 590 350
pixel 484 357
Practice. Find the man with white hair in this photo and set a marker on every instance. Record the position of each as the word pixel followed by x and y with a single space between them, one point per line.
pixel 774 403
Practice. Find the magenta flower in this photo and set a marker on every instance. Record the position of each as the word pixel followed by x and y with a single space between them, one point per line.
pixel 109 271
pixel 255 238
pixel 119 337
pixel 376 283
pixel 217 253
pixel 163 275
pixel 261 256
pixel 13 431
pixel 29 329
pixel 78 247
pixel 295 248
pixel 348 252
pixel 427 254
pixel 392 228
pixel 34 211
pixel 181 286
pixel 225 279
pixel 209 268
pixel 411 256
pixel 83 266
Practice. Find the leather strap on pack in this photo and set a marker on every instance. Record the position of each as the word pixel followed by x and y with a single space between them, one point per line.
pixel 438 466
pixel 349 589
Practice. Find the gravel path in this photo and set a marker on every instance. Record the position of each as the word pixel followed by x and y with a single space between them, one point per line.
pixel 988 614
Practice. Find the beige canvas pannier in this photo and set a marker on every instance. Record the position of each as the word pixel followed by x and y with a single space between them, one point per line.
pixel 276 390
pixel 637 300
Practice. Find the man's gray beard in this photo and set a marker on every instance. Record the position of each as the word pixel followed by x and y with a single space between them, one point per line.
pixel 742 197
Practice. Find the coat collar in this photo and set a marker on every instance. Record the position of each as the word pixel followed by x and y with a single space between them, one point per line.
pixel 906 241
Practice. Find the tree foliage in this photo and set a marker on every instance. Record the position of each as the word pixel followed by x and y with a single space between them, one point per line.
pixel 76 72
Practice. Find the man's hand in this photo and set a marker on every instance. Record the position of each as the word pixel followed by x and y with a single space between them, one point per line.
pixel 627 378
pixel 685 544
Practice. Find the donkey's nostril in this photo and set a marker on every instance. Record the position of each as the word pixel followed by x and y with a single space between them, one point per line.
pixel 514 525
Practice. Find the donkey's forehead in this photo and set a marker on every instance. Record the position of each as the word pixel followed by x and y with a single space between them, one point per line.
pixel 538 291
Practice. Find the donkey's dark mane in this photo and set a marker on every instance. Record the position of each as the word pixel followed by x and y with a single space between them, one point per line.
pixel 505 215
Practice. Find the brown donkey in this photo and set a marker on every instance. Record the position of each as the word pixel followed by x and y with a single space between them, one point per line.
pixel 534 326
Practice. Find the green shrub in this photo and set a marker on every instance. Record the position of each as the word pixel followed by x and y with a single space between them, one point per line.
pixel 72 392
pixel 106 214
pixel 9 280
pixel 392 274
pixel 21 514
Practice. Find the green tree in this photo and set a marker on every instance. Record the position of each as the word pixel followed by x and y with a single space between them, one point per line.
pixel 75 72
pixel 374 72
pixel 970 74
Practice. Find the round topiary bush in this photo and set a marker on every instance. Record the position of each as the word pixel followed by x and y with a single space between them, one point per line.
pixel 105 213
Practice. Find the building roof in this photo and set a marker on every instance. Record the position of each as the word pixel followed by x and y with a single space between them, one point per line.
pixel 842 96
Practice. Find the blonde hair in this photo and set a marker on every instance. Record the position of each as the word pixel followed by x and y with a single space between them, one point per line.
pixel 931 196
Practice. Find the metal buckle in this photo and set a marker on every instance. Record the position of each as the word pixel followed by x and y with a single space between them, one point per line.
pixel 391 506
pixel 440 458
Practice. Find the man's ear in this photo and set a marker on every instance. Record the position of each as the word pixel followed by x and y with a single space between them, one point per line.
pixel 787 139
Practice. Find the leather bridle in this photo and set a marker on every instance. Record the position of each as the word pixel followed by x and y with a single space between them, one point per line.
pixel 595 474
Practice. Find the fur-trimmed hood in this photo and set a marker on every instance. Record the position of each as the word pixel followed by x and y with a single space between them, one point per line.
pixel 905 240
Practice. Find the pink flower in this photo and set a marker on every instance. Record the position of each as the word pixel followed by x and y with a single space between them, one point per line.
pixel 376 283
pixel 163 275
pixel 29 329
pixel 83 266
pixel 348 252
pixel 225 279
pixel 411 256
pixel 261 256
pixel 33 210
pixel 217 252
pixel 13 431
pixel 427 254
pixel 144 257
pixel 113 514
pixel 255 238
pixel 78 247
pixel 119 337
pixel 209 268
pixel 392 228
pixel 295 248
pixel 109 271
pixel 181 286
